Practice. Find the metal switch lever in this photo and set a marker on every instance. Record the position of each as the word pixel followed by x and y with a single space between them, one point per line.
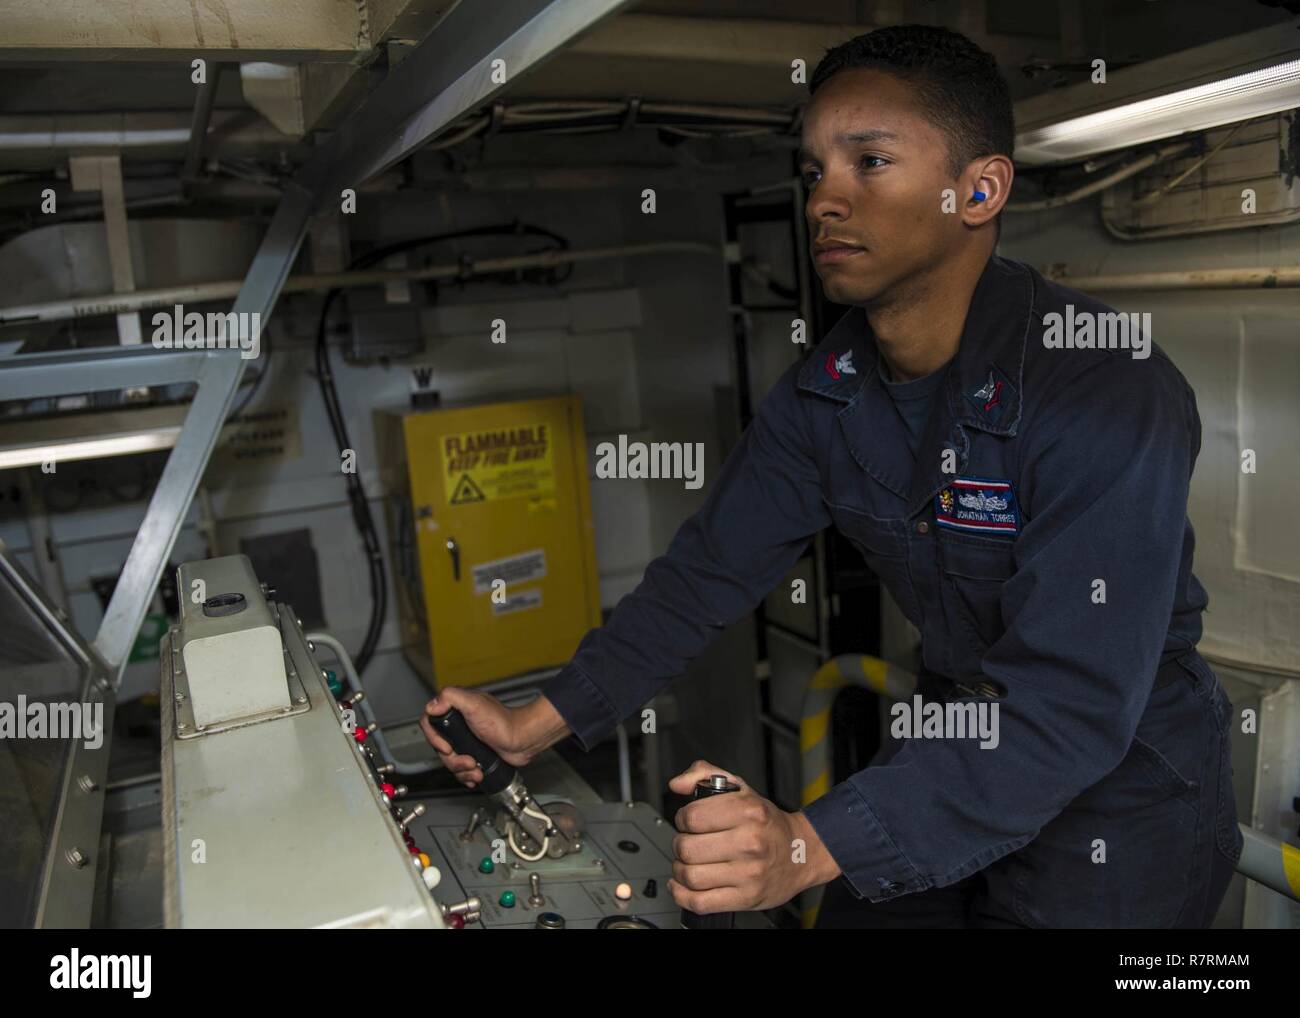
pixel 502 784
pixel 535 898
pixel 418 811
pixel 474 820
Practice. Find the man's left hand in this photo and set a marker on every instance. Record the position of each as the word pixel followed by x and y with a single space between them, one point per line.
pixel 739 852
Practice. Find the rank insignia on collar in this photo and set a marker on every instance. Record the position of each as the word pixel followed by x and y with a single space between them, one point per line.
pixel 991 398
pixel 841 365
pixel 990 392
pixel 978 505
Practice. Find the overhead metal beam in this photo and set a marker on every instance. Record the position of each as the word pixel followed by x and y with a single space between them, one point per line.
pixel 752 42
pixel 305 96
pixel 289 31
pixel 452 72
pixel 104 369
pixel 182 29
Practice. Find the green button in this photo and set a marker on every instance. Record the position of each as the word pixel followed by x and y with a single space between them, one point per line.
pixel 486 866
pixel 507 899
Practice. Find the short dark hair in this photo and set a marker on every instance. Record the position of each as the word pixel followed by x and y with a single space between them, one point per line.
pixel 957 84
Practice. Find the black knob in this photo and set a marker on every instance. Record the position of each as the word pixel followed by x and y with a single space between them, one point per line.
pixel 717 784
pixel 497 774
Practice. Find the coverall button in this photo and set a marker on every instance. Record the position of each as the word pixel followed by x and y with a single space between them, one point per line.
pixel 923 527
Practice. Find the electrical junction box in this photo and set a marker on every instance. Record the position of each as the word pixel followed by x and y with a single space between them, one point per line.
pixel 494 557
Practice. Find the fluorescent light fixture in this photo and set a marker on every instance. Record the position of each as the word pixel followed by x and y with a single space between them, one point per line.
pixel 1245 96
pixel 87 448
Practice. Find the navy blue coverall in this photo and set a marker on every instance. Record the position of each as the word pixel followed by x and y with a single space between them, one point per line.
pixel 1113 731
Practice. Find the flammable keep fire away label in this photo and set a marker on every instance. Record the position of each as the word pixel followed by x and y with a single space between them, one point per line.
pixel 498 463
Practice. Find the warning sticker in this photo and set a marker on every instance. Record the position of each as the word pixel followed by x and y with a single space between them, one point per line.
pixel 498 463
pixel 518 602
pixel 466 491
pixel 530 565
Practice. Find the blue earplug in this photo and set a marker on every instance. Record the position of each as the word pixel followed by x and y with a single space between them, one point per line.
pixel 978 196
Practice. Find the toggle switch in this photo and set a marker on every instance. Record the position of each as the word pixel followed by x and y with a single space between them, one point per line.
pixel 415 813
pixel 471 827
pixel 535 899
pixel 468 907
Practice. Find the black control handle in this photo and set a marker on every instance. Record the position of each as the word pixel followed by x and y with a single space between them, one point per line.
pixel 717 784
pixel 497 774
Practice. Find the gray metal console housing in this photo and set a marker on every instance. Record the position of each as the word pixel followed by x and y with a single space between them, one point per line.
pixel 275 820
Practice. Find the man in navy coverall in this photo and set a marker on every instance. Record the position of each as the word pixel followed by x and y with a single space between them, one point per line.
pixel 996 479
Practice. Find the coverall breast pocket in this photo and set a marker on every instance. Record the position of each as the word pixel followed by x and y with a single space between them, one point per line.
pixel 883 545
pixel 973 572
pixel 873 536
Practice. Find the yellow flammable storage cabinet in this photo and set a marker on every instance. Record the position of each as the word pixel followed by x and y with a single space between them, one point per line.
pixel 492 536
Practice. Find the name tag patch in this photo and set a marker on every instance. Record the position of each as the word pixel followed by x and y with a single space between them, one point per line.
pixel 978 505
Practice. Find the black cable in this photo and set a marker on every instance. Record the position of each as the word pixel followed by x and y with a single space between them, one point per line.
pixel 361 515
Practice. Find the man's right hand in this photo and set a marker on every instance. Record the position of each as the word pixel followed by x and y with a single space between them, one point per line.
pixel 516 734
